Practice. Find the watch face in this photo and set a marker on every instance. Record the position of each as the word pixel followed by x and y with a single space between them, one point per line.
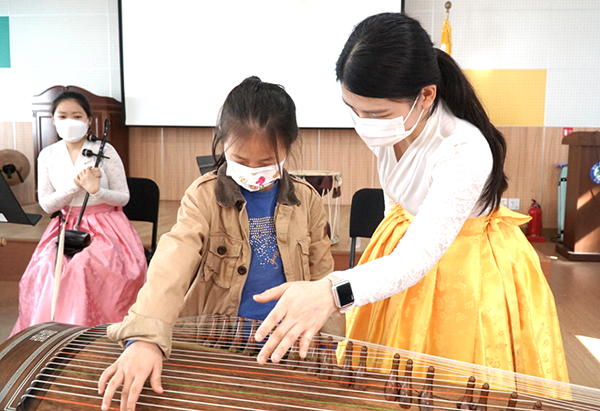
pixel 345 296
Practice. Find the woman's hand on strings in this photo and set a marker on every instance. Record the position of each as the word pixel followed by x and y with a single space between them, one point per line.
pixel 138 362
pixel 302 309
pixel 89 179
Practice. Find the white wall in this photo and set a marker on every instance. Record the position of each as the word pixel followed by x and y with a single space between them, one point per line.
pixel 560 36
pixel 75 42
pixel 58 42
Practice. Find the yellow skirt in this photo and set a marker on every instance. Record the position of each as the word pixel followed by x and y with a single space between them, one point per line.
pixel 485 302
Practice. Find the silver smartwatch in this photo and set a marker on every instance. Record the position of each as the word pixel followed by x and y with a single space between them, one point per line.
pixel 342 293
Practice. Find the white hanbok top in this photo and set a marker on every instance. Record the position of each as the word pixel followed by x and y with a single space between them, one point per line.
pixel 439 180
pixel 56 172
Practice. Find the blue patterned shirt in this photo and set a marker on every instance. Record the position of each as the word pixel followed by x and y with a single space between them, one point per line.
pixel 266 268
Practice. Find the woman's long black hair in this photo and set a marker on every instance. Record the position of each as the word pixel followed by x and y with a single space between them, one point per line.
pixel 389 55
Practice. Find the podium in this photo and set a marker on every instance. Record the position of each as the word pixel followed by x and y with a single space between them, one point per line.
pixel 582 208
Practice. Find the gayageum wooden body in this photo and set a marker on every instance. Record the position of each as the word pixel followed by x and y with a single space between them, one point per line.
pixel 213 367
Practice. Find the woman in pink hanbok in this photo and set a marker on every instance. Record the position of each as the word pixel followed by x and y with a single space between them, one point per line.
pixel 100 283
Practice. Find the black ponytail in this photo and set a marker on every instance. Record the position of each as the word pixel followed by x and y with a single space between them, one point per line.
pixel 460 97
pixel 389 55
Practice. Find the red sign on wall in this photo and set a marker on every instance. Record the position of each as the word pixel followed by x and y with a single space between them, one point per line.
pixel 567 131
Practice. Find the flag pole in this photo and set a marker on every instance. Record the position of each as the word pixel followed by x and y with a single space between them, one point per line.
pixel 447 30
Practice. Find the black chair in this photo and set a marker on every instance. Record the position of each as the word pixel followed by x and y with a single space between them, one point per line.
pixel 144 197
pixel 366 212
pixel 206 164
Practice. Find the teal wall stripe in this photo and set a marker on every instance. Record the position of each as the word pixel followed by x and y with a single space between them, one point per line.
pixel 4 42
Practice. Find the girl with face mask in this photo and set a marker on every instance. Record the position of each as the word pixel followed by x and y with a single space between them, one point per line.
pixel 448 272
pixel 98 284
pixel 244 228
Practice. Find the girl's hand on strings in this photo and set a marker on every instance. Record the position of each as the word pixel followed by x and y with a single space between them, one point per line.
pixel 138 362
pixel 302 309
pixel 89 179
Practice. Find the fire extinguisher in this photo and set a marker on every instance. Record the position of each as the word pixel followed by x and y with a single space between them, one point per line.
pixel 534 228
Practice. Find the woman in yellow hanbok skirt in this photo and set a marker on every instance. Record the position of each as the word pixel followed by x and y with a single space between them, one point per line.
pixel 448 272
pixel 485 302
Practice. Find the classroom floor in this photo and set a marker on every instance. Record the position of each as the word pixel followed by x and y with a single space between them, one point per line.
pixel 576 288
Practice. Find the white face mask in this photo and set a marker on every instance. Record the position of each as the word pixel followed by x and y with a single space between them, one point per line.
pixel 377 132
pixel 71 130
pixel 253 179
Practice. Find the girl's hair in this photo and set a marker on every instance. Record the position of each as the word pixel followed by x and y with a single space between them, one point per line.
pixel 72 95
pixel 389 55
pixel 255 106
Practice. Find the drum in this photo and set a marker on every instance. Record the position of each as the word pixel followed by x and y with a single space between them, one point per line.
pixel 326 182
pixel 213 367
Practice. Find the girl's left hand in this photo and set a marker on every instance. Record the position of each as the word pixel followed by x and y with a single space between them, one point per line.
pixel 302 309
pixel 89 180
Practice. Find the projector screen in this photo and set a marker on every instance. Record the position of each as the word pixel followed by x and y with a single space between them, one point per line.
pixel 181 58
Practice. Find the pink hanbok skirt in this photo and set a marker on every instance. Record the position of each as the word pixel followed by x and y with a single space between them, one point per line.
pixel 98 284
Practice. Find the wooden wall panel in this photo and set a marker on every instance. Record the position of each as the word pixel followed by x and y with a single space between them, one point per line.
pixel 532 155
pixel 6 135
pixel 167 155
pixel 523 165
pixel 342 150
pixel 181 147
pixel 145 154
pixel 305 151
